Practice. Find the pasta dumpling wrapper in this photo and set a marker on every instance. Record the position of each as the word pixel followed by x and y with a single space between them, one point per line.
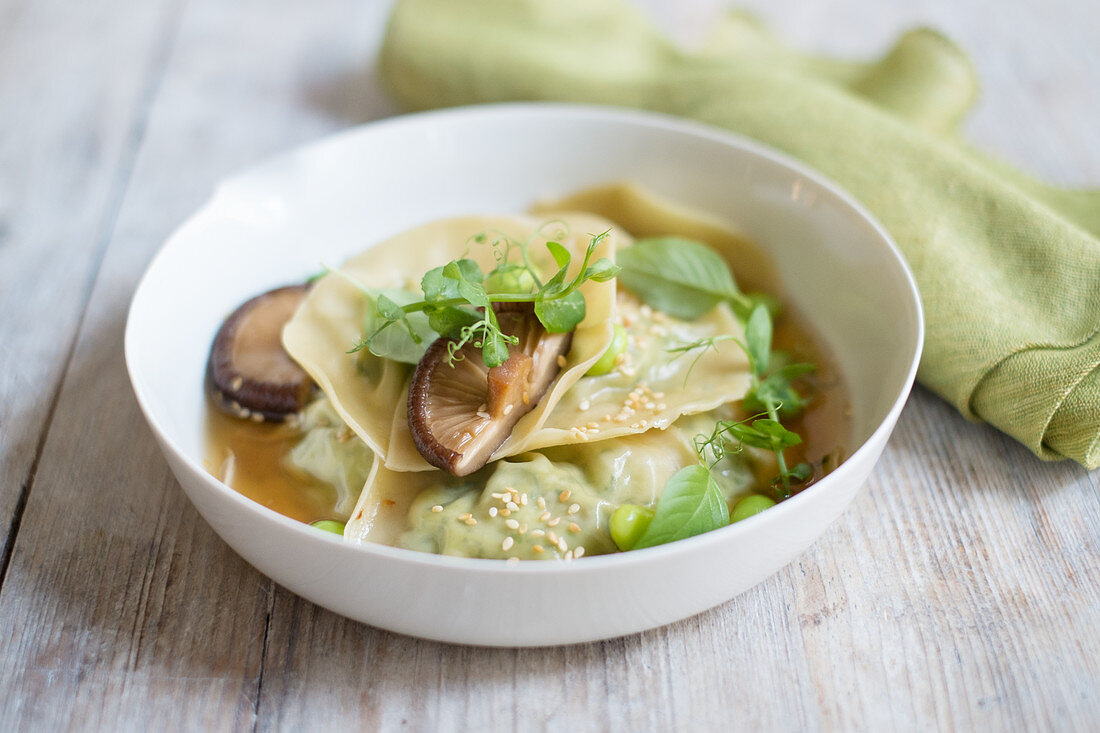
pixel 368 391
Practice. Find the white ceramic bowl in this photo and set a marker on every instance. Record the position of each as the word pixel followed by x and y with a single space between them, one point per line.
pixel 275 223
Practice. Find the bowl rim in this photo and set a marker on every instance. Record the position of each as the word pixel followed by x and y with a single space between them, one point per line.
pixel 494 113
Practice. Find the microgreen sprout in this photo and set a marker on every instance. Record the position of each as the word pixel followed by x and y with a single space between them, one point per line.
pixel 456 304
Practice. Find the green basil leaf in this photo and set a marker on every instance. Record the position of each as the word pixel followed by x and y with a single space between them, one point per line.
pixel 680 277
pixel 559 315
pixel 758 339
pixel 690 504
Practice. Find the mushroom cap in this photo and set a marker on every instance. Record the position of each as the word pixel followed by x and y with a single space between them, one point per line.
pixel 249 372
pixel 460 414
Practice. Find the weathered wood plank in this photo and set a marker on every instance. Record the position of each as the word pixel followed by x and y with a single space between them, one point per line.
pixel 122 609
pixel 959 592
pixel 72 103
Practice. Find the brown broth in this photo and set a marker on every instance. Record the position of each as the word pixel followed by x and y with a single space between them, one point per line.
pixel 254 452
pixel 248 457
pixel 824 425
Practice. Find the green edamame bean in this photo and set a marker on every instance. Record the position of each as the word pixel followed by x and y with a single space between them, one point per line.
pixel 751 504
pixel 329 525
pixel 628 524
pixel 607 361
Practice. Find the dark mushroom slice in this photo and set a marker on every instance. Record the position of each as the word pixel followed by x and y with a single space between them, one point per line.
pixel 459 415
pixel 249 372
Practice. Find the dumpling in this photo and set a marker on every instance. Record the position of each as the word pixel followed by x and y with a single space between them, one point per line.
pixel 369 392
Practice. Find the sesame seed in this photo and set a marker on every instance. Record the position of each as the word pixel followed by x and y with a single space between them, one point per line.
pixel 257 417
pixel 512 506
pixel 552 537
pixel 511 523
pixel 564 496
pixel 645 423
pixel 513 561
pixel 662 406
pixel 470 522
pixel 573 509
pixel 437 508
pixel 505 512
pixel 541 502
pixel 236 384
pixel 553 522
pixel 482 414
pixel 522 529
pixel 507 544
pixel 651 405
pixel 562 546
pixel 544 516
pixel 538 533
pixel 539 549
pixel 569 555
pixel 497 496
pixel 508 408
pixel 584 405
pixel 574 527
pixel 593 430
pixel 464 516
pixel 561 360
pixel 523 500
pixel 578 551
pixel 492 511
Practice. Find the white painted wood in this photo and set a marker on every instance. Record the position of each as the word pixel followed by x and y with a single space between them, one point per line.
pixel 960 591
pixel 71 108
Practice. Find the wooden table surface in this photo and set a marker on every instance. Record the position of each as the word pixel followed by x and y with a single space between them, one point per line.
pixel 960 591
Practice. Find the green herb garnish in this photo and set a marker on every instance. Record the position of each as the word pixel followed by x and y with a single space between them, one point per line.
pixel 457 304
pixel 686 279
pixel 690 504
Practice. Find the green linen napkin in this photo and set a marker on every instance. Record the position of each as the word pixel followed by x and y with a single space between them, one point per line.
pixel 1009 268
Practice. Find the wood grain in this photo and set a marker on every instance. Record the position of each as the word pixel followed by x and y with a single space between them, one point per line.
pixel 71 118
pixel 961 591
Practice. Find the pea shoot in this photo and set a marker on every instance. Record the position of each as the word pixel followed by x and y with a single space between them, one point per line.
pixel 457 300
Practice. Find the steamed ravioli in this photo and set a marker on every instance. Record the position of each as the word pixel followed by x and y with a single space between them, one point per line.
pixel 368 391
pixel 590 339
pixel 644 214
pixel 558 499
pixel 653 386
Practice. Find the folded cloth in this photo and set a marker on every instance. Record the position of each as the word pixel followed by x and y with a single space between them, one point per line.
pixel 1008 267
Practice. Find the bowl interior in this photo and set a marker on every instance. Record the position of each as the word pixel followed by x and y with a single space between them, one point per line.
pixel 318 205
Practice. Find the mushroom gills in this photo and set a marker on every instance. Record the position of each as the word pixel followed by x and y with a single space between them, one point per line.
pixel 460 414
pixel 250 374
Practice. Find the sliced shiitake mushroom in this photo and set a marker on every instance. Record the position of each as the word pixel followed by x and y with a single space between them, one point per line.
pixel 250 374
pixel 459 415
